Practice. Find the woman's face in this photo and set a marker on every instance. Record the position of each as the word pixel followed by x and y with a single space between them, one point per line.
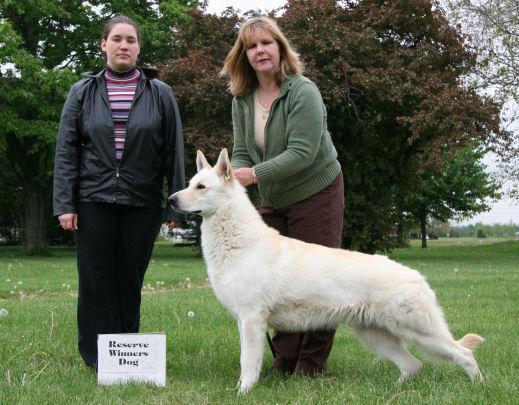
pixel 263 53
pixel 121 47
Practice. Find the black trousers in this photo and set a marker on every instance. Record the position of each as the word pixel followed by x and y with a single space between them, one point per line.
pixel 114 246
pixel 317 219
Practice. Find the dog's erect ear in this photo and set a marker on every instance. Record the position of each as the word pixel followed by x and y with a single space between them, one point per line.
pixel 223 166
pixel 201 161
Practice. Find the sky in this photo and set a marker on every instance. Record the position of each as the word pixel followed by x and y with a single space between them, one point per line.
pixel 217 6
pixel 503 211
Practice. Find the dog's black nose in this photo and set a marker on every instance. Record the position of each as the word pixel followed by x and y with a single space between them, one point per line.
pixel 173 200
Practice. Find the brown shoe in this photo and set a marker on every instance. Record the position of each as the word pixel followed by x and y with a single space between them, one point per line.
pixel 283 365
pixel 309 372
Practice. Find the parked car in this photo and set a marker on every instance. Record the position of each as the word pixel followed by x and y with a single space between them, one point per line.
pixel 185 235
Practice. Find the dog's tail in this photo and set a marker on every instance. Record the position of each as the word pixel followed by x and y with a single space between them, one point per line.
pixel 470 341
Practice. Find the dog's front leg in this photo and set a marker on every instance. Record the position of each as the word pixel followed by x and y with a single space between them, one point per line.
pixel 252 342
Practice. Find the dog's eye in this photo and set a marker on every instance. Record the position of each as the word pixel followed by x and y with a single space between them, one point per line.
pixel 200 187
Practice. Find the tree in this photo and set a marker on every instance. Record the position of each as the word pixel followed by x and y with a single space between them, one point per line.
pixel 31 99
pixel 200 45
pixel 43 45
pixel 492 29
pixel 492 32
pixel 460 190
pixel 390 75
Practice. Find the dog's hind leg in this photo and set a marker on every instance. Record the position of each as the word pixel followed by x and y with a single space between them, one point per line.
pixel 390 347
pixel 445 347
pixel 252 342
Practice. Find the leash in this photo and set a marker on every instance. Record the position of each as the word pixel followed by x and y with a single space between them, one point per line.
pixel 274 354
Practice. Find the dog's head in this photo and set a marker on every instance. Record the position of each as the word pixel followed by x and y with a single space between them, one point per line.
pixel 208 189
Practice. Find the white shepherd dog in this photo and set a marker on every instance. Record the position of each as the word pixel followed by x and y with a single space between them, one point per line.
pixel 264 279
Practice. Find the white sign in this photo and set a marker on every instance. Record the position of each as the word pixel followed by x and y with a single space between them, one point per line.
pixel 135 357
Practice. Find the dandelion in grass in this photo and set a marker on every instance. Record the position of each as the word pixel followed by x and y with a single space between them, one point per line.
pixel 4 312
pixel 191 314
pixel 456 270
pixel 8 280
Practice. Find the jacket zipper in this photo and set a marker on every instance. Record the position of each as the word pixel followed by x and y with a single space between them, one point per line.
pixel 102 90
pixel 127 126
pixel 118 164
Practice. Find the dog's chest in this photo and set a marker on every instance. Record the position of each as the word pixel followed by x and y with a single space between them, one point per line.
pixel 229 288
pixel 232 279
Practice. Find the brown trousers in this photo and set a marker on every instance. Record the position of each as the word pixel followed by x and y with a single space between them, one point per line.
pixel 317 219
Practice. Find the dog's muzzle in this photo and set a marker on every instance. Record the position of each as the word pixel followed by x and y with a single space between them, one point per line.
pixel 174 201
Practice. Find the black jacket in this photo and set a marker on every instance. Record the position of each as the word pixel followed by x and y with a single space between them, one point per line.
pixel 85 167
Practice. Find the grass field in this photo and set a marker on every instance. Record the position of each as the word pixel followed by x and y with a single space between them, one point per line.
pixel 477 284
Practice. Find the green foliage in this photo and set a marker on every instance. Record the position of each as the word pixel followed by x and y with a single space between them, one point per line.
pixel 44 46
pixel 390 75
pixel 31 96
pixel 201 44
pixel 460 189
pixel 491 29
pixel 476 285
pixel 491 231
pixel 68 33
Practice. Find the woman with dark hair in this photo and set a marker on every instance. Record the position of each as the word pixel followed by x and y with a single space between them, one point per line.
pixel 282 144
pixel 120 135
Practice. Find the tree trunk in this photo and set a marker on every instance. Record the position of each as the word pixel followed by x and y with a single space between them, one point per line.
pixel 423 227
pixel 401 236
pixel 35 220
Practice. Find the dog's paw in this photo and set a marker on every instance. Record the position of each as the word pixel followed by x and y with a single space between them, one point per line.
pixel 478 378
pixel 243 389
pixel 410 373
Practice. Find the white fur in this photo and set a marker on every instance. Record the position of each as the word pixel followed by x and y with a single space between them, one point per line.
pixel 264 279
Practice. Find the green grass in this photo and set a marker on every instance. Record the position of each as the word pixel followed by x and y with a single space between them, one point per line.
pixel 476 283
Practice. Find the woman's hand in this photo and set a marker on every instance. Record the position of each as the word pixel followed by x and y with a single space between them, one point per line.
pixel 68 221
pixel 244 176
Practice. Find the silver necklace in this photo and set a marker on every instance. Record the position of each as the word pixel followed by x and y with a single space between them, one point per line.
pixel 264 111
